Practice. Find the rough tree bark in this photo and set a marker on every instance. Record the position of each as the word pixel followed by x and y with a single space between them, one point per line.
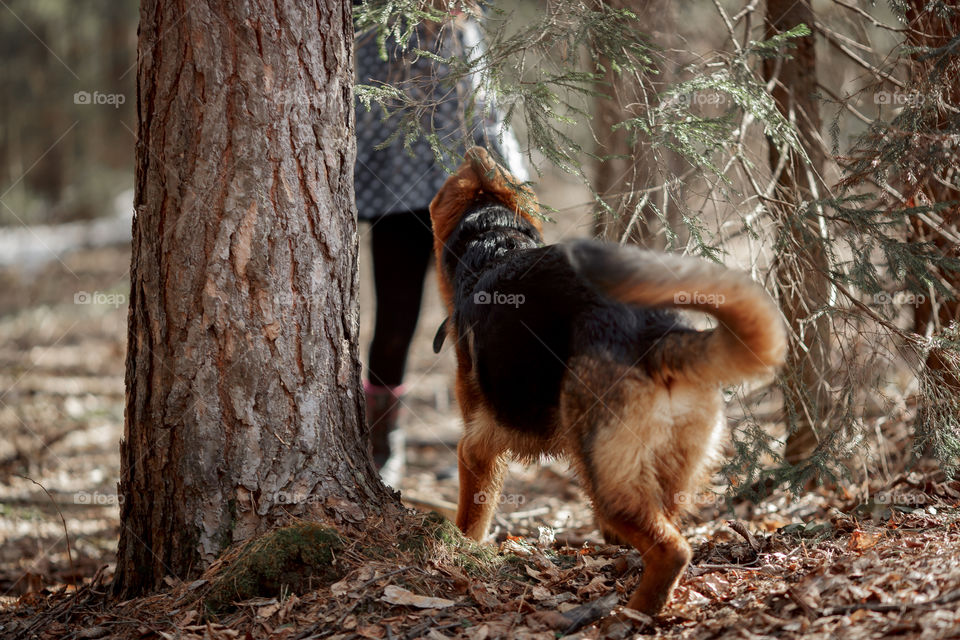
pixel 244 404
pixel 801 266
pixel 620 179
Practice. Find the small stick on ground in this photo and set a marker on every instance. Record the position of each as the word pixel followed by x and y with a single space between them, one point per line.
pixel 583 615
pixel 66 535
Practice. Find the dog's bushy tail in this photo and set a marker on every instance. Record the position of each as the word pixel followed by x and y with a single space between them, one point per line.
pixel 749 339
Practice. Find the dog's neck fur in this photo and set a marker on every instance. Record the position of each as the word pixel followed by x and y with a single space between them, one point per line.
pixel 479 182
pixel 485 236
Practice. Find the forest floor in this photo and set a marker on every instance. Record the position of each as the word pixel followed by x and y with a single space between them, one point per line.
pixel 878 559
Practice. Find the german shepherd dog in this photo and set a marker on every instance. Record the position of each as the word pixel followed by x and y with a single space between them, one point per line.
pixel 572 350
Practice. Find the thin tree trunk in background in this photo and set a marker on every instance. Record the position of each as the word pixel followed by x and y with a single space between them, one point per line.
pixel 48 178
pixel 244 405
pixel 634 167
pixel 116 141
pixel 801 265
pixel 934 30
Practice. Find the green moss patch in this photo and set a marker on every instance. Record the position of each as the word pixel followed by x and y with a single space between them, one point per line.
pixel 293 559
pixel 439 539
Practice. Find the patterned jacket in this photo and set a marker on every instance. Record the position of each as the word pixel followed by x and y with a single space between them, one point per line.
pixel 391 180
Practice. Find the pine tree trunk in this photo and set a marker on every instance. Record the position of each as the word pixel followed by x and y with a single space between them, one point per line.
pixel 244 405
pixel 801 267
pixel 632 168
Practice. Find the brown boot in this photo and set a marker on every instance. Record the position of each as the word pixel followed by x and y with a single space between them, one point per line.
pixel 386 440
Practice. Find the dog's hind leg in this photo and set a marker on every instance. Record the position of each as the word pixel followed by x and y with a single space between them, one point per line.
pixel 610 536
pixel 626 450
pixel 626 483
pixel 482 469
pixel 665 554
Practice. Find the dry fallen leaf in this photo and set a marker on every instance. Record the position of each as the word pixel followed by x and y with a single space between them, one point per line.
pixel 713 585
pixel 482 597
pixel 860 541
pixel 596 586
pixel 479 632
pixel 266 611
pixel 372 631
pixel 515 547
pixel 540 593
pixel 398 595
pixel 638 619
pixel 696 599
pixel 552 619
pixel 533 573
pixel 341 588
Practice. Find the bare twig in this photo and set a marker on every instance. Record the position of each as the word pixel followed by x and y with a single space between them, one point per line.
pixel 66 535
pixel 835 41
pixel 869 17
pixel 746 11
pixel 635 217
pixel 726 21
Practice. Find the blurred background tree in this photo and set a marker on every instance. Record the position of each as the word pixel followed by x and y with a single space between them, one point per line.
pixel 801 267
pixel 63 159
pixel 646 216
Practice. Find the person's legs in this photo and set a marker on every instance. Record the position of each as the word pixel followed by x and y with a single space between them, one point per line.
pixel 402 245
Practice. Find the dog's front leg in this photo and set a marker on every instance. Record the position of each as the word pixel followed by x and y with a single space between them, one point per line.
pixel 482 469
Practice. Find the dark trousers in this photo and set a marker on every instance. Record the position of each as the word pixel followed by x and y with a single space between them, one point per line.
pixel 402 244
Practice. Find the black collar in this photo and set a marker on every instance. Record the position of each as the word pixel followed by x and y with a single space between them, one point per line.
pixel 441 335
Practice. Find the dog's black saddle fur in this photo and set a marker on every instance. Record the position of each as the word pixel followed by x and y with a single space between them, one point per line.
pixel 528 311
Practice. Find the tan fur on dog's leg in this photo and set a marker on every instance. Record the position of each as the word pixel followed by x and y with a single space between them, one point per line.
pixel 481 478
pixel 665 554
pixel 610 536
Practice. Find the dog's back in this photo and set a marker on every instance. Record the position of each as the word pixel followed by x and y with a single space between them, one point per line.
pixel 526 312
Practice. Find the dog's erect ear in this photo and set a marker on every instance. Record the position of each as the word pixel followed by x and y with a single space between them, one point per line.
pixel 502 185
pixel 480 174
pixel 452 200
